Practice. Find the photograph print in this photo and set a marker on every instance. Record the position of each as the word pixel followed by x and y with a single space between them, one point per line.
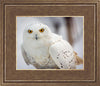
pixel 49 42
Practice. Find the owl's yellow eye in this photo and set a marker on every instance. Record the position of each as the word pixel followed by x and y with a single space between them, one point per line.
pixel 41 30
pixel 30 31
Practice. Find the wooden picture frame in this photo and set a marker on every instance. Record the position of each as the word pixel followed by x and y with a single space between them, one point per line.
pixel 9 9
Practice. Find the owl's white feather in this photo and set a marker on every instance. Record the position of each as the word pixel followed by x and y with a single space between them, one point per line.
pixel 62 54
pixel 46 49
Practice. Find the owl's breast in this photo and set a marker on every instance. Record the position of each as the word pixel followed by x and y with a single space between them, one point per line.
pixel 38 50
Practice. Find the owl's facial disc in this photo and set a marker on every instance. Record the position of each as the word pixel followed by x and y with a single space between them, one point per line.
pixel 36 31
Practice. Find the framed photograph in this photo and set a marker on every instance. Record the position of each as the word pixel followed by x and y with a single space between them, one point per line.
pixel 48 42
pixel 43 41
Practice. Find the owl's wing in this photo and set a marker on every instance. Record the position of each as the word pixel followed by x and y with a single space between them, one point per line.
pixel 62 54
pixel 25 55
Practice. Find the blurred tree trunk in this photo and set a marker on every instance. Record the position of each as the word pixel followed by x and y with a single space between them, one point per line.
pixel 69 23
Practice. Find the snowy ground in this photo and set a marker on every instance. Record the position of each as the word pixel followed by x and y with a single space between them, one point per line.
pixel 22 22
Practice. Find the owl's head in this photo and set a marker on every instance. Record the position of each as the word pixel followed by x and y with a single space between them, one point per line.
pixel 36 31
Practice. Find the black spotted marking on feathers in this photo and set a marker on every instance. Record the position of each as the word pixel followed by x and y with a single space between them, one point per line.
pixel 64 56
pixel 57 57
pixel 71 61
pixel 61 63
pixel 61 66
pixel 65 52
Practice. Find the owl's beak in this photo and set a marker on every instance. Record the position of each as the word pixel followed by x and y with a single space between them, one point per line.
pixel 36 37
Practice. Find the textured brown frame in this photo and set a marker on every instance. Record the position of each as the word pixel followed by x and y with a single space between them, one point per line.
pixel 9 9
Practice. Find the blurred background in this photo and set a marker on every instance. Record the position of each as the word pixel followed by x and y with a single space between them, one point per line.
pixel 70 28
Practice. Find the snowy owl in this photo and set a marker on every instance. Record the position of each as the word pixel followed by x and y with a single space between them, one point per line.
pixel 46 50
